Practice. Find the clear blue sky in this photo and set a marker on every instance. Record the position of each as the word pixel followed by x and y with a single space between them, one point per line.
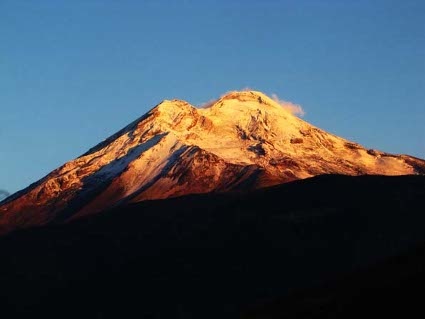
pixel 74 72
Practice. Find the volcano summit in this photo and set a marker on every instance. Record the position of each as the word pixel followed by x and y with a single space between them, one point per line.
pixel 244 140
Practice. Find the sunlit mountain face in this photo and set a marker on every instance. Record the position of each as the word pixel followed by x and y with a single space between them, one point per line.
pixel 242 141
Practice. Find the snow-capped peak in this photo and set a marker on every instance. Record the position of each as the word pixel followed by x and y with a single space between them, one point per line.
pixel 240 141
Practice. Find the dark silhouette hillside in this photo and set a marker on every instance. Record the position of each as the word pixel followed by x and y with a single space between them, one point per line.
pixel 391 288
pixel 223 255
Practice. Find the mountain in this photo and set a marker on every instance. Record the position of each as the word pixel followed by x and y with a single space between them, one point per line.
pixel 265 253
pixel 242 141
pixel 3 194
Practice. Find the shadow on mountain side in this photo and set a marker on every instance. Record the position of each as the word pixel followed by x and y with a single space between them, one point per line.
pixel 213 255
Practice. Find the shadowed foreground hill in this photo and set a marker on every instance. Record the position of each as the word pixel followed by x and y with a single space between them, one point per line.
pixel 392 288
pixel 213 255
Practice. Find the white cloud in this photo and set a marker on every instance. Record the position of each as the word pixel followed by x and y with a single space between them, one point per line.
pixel 289 106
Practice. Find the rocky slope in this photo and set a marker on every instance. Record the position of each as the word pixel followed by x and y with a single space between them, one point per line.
pixel 244 140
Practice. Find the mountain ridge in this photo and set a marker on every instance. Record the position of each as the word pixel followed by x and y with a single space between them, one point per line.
pixel 243 140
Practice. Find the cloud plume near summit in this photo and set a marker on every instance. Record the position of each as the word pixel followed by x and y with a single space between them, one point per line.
pixel 289 106
pixel 293 108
